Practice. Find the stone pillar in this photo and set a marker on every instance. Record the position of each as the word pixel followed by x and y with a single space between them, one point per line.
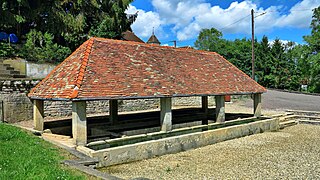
pixel 257 105
pixel 220 109
pixel 113 111
pixel 165 114
pixel 79 123
pixel 38 114
pixel 204 108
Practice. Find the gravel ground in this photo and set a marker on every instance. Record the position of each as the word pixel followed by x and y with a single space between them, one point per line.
pixel 292 153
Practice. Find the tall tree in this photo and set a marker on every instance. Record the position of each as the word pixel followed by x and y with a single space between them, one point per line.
pixel 314 44
pixel 209 40
pixel 70 21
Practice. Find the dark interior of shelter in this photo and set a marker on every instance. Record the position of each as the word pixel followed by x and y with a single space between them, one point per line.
pixel 100 128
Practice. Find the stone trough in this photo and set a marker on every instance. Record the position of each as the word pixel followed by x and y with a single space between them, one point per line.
pixel 144 146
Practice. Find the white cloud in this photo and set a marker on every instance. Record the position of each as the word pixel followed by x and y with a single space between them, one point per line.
pixel 145 22
pixel 298 17
pixel 188 17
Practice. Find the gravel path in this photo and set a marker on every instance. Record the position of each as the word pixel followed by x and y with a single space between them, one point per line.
pixel 292 153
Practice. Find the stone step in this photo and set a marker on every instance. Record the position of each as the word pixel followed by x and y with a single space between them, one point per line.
pixel 9 72
pixel 288 123
pixel 6 68
pixel 19 76
pixel 6 75
pixel 3 64
pixel 288 118
pixel 313 122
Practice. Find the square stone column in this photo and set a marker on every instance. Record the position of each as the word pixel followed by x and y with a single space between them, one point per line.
pixel 257 105
pixel 166 114
pixel 79 123
pixel 204 108
pixel 38 114
pixel 220 109
pixel 113 111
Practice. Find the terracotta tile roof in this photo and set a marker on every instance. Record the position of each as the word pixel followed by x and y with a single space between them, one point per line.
pixel 107 69
pixel 130 36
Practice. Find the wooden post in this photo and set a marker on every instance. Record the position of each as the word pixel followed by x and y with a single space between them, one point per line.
pixel 165 114
pixel 113 111
pixel 204 104
pixel 1 112
pixel 38 114
pixel 257 105
pixel 79 123
pixel 220 109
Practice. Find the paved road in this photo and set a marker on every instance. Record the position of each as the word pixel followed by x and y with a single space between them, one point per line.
pixel 284 100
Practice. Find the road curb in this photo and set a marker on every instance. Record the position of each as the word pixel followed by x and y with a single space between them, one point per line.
pixel 294 92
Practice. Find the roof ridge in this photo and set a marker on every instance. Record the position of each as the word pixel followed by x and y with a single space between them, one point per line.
pixel 83 66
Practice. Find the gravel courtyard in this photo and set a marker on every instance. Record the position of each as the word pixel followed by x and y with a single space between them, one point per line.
pixel 292 153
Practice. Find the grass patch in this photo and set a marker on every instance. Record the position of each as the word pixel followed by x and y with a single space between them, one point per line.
pixel 24 156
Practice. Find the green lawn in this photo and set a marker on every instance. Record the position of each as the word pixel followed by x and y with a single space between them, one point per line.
pixel 25 156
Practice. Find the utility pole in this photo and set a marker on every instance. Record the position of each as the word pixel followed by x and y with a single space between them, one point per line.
pixel 252 42
pixel 174 43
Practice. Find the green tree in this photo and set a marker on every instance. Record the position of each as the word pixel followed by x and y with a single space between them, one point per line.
pixel 264 64
pixel 239 54
pixel 313 41
pixel 209 40
pixel 70 22
pixel 40 47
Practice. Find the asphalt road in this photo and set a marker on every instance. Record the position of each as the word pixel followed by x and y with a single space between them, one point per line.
pixel 293 101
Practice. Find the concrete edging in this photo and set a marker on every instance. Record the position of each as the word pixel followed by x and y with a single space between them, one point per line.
pixel 170 145
pixel 294 92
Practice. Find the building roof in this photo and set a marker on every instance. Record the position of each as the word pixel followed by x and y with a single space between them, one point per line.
pixel 113 69
pixel 130 36
pixel 153 40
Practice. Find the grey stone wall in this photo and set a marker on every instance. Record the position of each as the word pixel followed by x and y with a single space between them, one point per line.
pixel 64 108
pixel 16 105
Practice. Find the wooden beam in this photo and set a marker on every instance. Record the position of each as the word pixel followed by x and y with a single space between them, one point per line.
pixel 38 114
pixel 166 114
pixel 79 122
pixel 113 111
pixel 220 109
pixel 204 108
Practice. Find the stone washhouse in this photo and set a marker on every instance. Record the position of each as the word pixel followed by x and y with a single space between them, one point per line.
pixel 104 69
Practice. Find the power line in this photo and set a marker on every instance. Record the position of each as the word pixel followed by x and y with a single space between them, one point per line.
pixel 289 10
pixel 234 22
pixel 261 14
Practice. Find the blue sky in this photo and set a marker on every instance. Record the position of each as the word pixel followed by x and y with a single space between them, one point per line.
pixel 182 20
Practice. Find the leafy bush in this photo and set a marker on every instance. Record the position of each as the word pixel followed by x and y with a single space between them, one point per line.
pixel 39 47
pixel 6 50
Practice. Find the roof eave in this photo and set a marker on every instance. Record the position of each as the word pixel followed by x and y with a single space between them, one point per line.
pixel 138 97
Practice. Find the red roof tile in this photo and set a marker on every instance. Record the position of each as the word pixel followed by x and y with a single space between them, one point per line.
pixel 107 69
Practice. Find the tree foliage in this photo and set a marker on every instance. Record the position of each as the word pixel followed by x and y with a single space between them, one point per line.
pixel 69 22
pixel 277 65
pixel 313 56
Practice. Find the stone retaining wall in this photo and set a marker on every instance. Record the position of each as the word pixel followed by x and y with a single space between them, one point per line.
pixel 18 107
